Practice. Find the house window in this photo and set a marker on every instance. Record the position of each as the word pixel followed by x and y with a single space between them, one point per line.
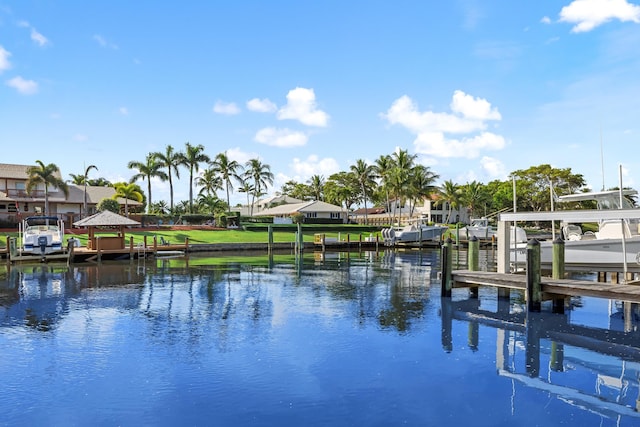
pixel 311 214
pixel 3 207
pixel 335 215
pixel 12 207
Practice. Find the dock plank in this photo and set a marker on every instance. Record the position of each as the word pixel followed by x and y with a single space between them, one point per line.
pixel 550 287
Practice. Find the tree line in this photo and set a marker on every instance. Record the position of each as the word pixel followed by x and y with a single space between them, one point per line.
pixel 392 180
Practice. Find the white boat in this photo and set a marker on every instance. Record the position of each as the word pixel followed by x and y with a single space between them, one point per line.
pixel 614 239
pixel 42 235
pixel 482 230
pixel 415 232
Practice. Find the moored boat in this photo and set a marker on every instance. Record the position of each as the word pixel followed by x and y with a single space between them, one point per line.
pixel 41 235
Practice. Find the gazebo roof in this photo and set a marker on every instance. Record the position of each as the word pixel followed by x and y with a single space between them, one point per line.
pixel 105 218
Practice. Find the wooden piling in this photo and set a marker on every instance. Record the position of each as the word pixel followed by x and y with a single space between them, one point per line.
pixel 445 269
pixel 473 261
pixel 534 289
pixel 270 241
pixel 557 271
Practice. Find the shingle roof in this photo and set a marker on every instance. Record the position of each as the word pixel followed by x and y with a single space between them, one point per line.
pixel 312 206
pixel 17 171
pixel 105 218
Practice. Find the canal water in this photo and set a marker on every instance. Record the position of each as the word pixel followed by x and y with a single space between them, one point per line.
pixel 339 339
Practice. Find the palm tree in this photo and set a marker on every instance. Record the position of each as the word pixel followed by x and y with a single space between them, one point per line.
pixel 365 175
pixel 227 169
pixel 171 160
pixel 384 165
pixel 316 185
pixel 450 193
pixel 261 176
pixel 400 174
pixel 49 175
pixel 128 191
pixel 84 181
pixel 193 156
pixel 421 184
pixel 151 169
pixel 210 203
pixel 209 181
pixel 247 188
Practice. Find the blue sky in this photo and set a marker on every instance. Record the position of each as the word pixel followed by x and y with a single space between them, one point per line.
pixel 475 88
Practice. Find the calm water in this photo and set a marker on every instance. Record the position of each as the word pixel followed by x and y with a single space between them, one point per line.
pixel 340 340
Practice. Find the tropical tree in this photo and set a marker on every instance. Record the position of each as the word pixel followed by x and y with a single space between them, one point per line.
pixel 473 194
pixel 383 167
pixel 399 176
pixel 228 170
pixel 209 181
pixel 108 204
pixel 316 185
pixel 365 175
pixel 146 171
pixel 421 185
pixel 342 188
pixel 261 176
pixel 49 176
pixel 211 204
pixel 247 188
pixel 171 160
pixel 193 156
pixel 128 191
pixel 450 193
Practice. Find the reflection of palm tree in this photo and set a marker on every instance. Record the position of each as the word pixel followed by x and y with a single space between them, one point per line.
pixel 48 175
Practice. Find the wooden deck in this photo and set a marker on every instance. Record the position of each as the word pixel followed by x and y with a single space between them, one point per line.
pixel 551 288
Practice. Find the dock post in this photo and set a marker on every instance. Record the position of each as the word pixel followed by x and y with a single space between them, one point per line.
pixel 557 272
pixel 445 259
pixel 8 250
pixel 473 261
pixel 300 238
pixel 270 241
pixel 534 289
pixel 186 245
pixel 98 249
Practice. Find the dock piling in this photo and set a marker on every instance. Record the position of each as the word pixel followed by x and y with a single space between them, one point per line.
pixel 533 289
pixel 473 261
pixel 446 268
pixel 557 272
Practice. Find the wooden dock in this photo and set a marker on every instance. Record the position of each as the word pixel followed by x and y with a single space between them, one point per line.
pixel 551 288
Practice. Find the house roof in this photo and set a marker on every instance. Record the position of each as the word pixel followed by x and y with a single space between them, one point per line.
pixel 18 171
pixel 304 207
pixel 105 218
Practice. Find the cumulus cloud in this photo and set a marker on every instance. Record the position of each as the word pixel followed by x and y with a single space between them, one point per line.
pixel 240 156
pixel 261 105
pixel 301 106
pixel 281 137
pixel 433 130
pixel 313 165
pixel 589 14
pixel 545 20
pixel 25 87
pixel 229 108
pixel 493 167
pixel 4 59
pixel 103 42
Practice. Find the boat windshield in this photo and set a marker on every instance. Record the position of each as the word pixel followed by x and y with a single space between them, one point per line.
pixel 613 203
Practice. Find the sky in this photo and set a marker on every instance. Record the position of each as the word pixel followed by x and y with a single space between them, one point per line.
pixel 475 88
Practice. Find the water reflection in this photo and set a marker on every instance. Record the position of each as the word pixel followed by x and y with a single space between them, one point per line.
pixel 359 338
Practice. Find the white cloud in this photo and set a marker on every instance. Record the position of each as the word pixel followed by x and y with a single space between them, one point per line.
pixel 312 165
pixel 301 106
pixel 589 14
pixel 4 59
pixel 281 137
pixel 229 108
pixel 473 108
pixel 25 87
pixel 103 42
pixel 493 167
pixel 38 38
pixel 468 118
pixel 261 105
pixel 124 111
pixel 240 156
pixel 545 20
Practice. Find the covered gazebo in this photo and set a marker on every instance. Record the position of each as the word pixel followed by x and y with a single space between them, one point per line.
pixel 106 219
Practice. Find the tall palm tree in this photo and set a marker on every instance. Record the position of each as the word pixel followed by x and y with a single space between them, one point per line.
pixel 261 176
pixel 450 193
pixel 403 163
pixel 148 170
pixel 247 188
pixel 128 191
pixel 171 160
pixel 365 175
pixel 384 165
pixel 193 156
pixel 421 184
pixel 84 181
pixel 49 175
pixel 316 185
pixel 227 169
